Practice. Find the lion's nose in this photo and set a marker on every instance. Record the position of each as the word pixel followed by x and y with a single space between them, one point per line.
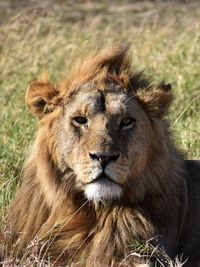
pixel 104 159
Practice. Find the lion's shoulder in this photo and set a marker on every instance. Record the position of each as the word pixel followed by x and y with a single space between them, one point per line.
pixel 192 168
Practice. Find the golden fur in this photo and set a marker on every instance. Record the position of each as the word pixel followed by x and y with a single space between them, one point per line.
pixel 56 203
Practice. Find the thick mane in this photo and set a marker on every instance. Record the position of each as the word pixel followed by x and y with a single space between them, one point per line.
pixel 67 220
pixel 50 205
pixel 112 62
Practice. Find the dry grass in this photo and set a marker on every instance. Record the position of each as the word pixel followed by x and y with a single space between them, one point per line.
pixel 50 35
pixel 144 254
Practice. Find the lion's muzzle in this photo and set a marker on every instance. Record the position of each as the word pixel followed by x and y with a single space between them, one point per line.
pixel 104 158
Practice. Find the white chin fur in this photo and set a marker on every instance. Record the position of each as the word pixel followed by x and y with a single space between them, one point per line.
pixel 103 190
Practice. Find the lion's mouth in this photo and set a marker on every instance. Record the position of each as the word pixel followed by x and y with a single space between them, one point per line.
pixel 103 188
pixel 103 178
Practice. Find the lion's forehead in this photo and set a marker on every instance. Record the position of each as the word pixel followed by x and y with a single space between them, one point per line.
pixel 116 102
pixel 100 102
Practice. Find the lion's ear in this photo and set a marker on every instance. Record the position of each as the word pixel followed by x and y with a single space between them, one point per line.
pixel 42 98
pixel 156 100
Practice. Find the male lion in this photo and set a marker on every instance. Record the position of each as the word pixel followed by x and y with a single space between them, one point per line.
pixel 103 173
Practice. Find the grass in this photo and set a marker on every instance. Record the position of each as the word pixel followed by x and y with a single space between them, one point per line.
pixel 49 35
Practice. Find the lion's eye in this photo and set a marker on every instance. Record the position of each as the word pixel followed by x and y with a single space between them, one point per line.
pixel 127 122
pixel 80 120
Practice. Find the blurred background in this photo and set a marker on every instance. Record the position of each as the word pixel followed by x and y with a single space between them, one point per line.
pixel 50 35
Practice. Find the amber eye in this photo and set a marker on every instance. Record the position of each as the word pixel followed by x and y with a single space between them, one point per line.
pixel 127 123
pixel 80 120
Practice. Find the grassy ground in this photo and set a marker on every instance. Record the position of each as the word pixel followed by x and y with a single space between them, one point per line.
pixel 49 35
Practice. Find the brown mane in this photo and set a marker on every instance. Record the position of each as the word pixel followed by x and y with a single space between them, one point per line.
pixel 51 207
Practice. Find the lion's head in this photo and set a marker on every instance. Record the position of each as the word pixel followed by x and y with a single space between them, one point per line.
pixel 100 125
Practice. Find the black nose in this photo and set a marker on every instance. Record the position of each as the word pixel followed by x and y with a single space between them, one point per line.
pixel 104 158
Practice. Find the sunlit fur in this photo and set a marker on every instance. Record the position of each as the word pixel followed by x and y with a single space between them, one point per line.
pixel 59 201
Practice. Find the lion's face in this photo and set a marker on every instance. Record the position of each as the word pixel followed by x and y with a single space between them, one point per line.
pixel 102 135
pixel 100 125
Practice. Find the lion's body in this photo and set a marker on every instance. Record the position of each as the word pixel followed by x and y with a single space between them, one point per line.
pixel 103 173
pixel 190 235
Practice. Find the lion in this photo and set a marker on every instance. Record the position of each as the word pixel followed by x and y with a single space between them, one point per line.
pixel 103 172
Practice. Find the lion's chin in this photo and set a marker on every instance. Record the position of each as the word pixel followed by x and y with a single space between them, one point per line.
pixel 103 190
